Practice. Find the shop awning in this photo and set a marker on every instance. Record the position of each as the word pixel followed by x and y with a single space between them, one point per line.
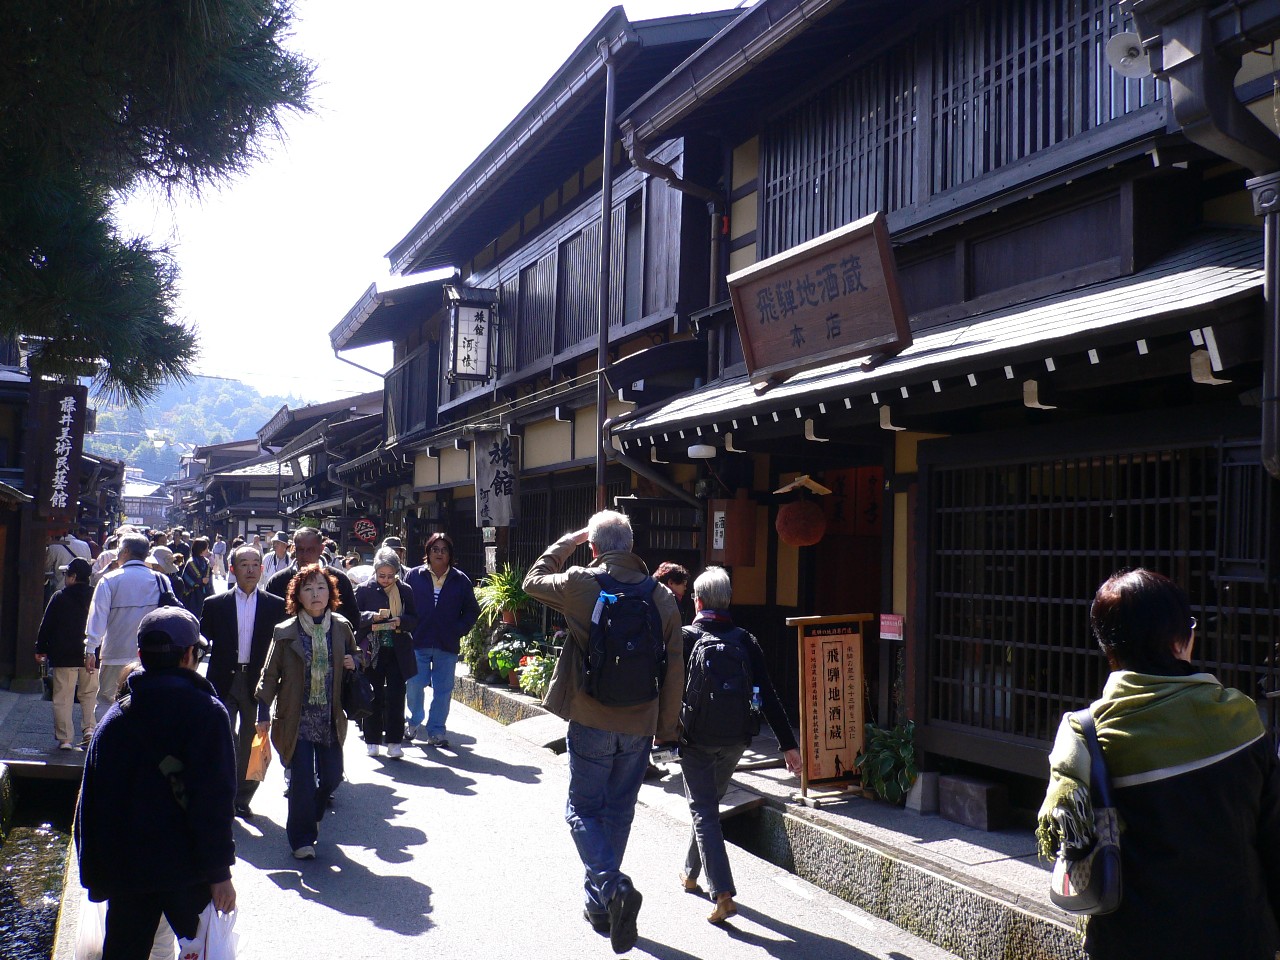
pixel 1210 271
pixel 380 315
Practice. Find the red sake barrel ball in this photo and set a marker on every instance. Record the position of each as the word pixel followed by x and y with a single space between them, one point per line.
pixel 801 523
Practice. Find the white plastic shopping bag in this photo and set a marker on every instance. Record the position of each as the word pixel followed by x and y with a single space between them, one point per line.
pixel 215 939
pixel 221 941
pixel 92 929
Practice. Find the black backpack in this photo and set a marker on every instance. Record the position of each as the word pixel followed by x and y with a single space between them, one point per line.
pixel 626 657
pixel 717 709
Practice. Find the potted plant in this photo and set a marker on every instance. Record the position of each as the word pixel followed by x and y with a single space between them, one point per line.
pixel 535 673
pixel 474 650
pixel 888 762
pixel 505 656
pixel 501 595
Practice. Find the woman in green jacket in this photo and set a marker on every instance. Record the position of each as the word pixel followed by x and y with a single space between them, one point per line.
pixel 303 678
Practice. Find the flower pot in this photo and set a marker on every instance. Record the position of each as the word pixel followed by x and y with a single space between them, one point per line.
pixel 509 617
pixel 513 679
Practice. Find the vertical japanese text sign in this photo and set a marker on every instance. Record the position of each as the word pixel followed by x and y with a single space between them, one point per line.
pixel 62 439
pixel 497 479
pixel 472 333
pixel 832 705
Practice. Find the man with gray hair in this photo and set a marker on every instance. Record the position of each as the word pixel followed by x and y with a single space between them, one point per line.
pixel 728 687
pixel 308 548
pixel 608 742
pixel 120 601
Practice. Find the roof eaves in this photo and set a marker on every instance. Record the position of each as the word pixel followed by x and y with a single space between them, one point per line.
pixel 552 106
pixel 750 39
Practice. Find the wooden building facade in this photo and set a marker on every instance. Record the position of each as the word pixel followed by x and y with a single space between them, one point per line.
pixel 522 225
pixel 1084 390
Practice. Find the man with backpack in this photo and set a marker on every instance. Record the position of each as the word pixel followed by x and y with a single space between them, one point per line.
pixel 727 689
pixel 618 682
pixel 153 823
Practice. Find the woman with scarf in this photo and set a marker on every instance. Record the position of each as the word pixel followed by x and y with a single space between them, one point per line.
pixel 197 577
pixel 1194 780
pixel 708 763
pixel 387 619
pixel 303 678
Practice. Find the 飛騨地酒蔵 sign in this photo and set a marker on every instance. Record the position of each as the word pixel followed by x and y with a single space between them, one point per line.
pixel 832 298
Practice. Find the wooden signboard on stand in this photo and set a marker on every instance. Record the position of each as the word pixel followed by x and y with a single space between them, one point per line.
pixel 832 701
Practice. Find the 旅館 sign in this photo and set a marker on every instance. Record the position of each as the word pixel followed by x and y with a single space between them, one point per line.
pixel 832 298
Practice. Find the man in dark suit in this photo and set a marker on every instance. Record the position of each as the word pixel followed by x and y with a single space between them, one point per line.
pixel 308 548
pixel 238 624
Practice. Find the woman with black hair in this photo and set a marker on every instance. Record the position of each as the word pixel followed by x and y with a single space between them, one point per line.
pixel 1194 780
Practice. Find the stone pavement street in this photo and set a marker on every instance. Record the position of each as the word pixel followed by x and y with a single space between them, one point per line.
pixel 464 853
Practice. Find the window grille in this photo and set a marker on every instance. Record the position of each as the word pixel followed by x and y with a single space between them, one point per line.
pixel 980 90
pixel 1016 552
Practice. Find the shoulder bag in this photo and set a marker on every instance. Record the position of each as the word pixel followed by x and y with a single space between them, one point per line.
pixel 167 597
pixel 1088 882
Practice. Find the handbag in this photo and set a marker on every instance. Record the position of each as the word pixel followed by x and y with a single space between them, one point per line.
pixel 259 758
pixel 1088 881
pixel 167 597
pixel 357 694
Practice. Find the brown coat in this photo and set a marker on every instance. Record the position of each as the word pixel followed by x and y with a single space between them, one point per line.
pixel 284 681
pixel 574 593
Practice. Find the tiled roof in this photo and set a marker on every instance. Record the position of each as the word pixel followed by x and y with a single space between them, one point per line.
pixel 1214 267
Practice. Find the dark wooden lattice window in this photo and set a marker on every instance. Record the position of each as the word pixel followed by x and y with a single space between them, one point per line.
pixel 978 91
pixel 845 154
pixel 1017 550
pixel 1013 77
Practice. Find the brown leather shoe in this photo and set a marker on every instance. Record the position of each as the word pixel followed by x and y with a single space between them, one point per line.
pixel 725 908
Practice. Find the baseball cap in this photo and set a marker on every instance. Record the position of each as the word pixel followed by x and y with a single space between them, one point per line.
pixel 394 543
pixel 170 628
pixel 280 537
pixel 80 567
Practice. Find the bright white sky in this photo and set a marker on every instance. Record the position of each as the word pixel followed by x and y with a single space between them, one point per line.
pixel 407 93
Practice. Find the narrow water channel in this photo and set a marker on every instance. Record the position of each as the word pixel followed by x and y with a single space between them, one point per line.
pixel 33 857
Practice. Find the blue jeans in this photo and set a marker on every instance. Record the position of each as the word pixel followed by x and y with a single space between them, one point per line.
pixel 437 668
pixel 707 772
pixel 605 773
pixel 315 772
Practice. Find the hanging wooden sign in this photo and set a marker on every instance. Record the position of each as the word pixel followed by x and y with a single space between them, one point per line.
pixel 832 298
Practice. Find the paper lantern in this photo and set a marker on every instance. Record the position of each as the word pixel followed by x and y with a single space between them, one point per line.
pixel 800 523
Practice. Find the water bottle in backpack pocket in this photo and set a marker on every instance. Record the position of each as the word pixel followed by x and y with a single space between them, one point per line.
pixel 626 657
pixel 718 708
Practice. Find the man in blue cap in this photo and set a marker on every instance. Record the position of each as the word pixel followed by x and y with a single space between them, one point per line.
pixel 153 824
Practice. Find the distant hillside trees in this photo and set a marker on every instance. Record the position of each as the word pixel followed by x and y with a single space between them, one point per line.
pixel 202 411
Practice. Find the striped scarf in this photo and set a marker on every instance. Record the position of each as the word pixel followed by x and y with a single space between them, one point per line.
pixel 1150 728
pixel 318 690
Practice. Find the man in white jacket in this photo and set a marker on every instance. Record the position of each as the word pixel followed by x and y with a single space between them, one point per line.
pixel 120 601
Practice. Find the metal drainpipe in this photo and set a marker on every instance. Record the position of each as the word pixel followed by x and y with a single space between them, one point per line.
pixel 1266 204
pixel 1201 84
pixel 606 249
pixel 715 208
pixel 642 468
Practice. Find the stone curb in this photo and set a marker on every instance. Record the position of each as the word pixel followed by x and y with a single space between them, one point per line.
pixel 968 917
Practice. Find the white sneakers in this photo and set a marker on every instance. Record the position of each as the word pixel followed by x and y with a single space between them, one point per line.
pixel 395 751
pixel 374 749
pixel 305 853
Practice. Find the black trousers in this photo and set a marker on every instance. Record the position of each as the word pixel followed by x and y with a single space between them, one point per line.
pixel 132 919
pixel 386 723
pixel 243 709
